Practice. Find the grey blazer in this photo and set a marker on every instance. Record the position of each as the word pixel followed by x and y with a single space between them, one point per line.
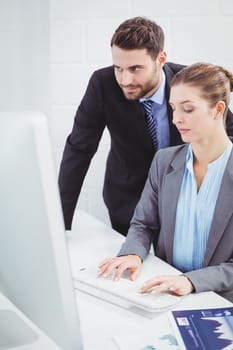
pixel 154 221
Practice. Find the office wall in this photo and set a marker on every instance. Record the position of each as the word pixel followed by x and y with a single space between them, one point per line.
pixel 49 48
pixel 24 55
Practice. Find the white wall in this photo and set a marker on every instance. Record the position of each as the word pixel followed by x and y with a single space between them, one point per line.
pixel 49 49
pixel 24 55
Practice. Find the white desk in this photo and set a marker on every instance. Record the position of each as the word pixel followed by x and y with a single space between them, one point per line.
pixel 90 242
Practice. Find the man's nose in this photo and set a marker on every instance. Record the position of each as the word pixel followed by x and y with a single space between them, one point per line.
pixel 126 78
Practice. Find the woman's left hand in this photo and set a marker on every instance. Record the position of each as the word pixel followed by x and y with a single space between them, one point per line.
pixel 179 285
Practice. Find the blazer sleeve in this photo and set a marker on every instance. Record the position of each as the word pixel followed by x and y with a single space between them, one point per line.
pixel 145 224
pixel 80 147
pixel 218 278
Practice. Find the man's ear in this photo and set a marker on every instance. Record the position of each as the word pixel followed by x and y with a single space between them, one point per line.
pixel 162 57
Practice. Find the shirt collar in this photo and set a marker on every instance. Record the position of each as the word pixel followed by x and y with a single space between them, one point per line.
pixel 159 95
pixel 189 157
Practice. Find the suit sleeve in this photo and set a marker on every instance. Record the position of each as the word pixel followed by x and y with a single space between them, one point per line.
pixel 80 147
pixel 229 123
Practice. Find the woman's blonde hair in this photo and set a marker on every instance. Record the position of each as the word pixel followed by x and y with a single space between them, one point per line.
pixel 215 82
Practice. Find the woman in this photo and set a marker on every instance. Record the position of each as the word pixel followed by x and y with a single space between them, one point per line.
pixel 186 208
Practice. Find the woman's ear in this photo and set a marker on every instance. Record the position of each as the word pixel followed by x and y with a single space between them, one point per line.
pixel 220 109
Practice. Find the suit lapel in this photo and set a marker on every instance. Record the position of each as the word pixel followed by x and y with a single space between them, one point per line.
pixel 175 137
pixel 138 122
pixel 222 213
pixel 171 188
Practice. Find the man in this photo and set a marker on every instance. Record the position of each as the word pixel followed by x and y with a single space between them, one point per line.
pixel 114 99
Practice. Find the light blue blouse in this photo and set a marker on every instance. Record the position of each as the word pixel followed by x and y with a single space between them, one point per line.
pixel 195 212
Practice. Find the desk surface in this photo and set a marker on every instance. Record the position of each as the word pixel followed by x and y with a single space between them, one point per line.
pixel 91 241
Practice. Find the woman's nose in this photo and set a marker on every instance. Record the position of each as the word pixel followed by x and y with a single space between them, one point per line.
pixel 176 118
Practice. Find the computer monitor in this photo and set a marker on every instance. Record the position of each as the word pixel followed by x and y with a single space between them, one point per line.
pixel 34 264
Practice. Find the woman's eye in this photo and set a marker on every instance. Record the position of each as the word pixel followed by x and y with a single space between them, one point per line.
pixel 188 110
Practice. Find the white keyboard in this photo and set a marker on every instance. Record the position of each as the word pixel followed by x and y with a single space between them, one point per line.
pixel 124 292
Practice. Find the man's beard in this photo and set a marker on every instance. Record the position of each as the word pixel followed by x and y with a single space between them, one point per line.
pixel 139 91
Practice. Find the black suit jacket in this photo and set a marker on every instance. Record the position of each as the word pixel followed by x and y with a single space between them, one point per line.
pixel 131 150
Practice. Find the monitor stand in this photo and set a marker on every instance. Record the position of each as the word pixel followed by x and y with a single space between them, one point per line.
pixel 14 331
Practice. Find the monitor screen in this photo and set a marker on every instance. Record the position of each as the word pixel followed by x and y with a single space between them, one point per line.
pixel 34 264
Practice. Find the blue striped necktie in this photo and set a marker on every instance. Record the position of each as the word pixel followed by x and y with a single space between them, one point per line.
pixel 151 122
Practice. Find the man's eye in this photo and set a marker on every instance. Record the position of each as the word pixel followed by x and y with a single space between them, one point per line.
pixel 135 69
pixel 118 69
pixel 188 110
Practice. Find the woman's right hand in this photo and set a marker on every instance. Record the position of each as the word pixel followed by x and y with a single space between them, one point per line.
pixel 118 265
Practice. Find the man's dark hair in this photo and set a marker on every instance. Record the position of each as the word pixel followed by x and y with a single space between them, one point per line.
pixel 139 33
